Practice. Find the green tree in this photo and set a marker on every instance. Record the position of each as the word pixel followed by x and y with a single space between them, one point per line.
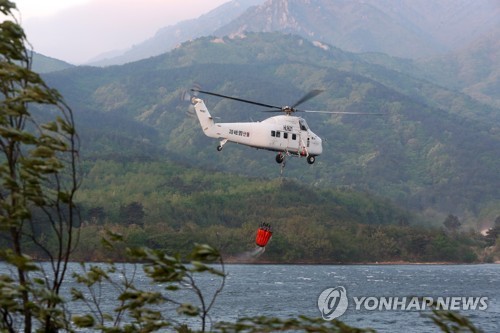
pixel 96 215
pixel 133 213
pixel 452 223
pixel 38 179
pixel 493 233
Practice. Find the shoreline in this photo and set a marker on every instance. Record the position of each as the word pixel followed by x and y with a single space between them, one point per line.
pixel 381 263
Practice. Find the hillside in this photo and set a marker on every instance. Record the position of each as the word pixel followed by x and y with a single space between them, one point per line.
pixel 474 69
pixel 44 64
pixel 426 154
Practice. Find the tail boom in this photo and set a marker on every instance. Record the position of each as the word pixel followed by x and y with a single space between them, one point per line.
pixel 206 121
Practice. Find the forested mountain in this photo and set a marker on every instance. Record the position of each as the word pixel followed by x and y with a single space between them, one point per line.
pixel 452 43
pixel 473 69
pixel 435 151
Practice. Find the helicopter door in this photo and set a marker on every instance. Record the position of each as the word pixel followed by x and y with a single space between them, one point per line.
pixel 292 141
pixel 304 138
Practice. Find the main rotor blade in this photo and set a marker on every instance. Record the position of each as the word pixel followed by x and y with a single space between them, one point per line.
pixel 342 112
pixel 238 99
pixel 307 97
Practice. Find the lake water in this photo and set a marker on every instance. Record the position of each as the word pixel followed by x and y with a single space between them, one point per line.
pixel 285 291
pixel 289 290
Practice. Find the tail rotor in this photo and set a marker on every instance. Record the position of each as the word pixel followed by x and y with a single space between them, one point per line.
pixel 187 96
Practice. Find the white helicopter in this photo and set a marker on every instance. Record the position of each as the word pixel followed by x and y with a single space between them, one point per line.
pixel 286 134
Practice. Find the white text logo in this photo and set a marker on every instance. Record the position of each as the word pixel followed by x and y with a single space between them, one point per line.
pixel 332 302
pixel 421 303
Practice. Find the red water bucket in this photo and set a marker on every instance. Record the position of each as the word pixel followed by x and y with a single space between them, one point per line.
pixel 263 236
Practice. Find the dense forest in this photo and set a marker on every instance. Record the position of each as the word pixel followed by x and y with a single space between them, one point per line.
pixel 170 207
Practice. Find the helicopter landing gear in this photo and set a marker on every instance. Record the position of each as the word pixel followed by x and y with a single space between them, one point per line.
pixel 222 143
pixel 311 159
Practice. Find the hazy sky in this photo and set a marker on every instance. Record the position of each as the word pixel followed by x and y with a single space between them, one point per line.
pixel 78 30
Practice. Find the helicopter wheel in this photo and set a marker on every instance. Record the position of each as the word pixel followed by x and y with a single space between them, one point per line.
pixel 280 158
pixel 219 148
pixel 311 159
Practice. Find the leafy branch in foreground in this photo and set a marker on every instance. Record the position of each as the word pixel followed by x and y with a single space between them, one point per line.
pixel 301 323
pixel 142 310
pixel 449 322
pixel 38 181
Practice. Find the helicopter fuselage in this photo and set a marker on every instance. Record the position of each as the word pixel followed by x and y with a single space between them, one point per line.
pixel 284 133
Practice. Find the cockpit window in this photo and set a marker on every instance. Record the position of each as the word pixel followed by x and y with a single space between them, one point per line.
pixel 303 125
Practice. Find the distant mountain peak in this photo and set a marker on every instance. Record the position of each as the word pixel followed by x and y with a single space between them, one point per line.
pixel 403 28
pixel 272 15
pixel 279 15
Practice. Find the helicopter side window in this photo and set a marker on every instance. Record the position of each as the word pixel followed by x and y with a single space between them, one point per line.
pixel 278 134
pixel 273 133
pixel 303 125
pixel 294 136
pixel 285 135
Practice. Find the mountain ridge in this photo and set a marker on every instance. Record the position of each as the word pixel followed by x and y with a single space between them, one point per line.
pixel 443 39
pixel 170 37
pixel 44 64
pixel 405 28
